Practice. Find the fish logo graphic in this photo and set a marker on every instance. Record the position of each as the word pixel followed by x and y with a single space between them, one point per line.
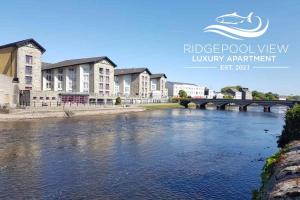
pixel 229 26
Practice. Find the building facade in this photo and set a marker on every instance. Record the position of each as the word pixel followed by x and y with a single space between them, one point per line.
pixel 21 62
pixel 192 90
pixel 27 81
pixel 235 93
pixel 219 95
pixel 158 87
pixel 86 80
pixel 246 93
pixel 133 83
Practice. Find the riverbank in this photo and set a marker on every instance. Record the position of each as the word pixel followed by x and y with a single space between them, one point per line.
pixel 42 113
pixel 281 175
pixel 165 106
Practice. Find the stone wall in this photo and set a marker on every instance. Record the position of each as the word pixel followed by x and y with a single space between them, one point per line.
pixel 284 182
pixel 8 91
pixel 36 54
pixel 96 75
pixel 135 85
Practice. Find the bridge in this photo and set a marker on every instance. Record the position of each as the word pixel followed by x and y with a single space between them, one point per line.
pixel 243 104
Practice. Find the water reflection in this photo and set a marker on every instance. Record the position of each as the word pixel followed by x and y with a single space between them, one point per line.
pixel 164 154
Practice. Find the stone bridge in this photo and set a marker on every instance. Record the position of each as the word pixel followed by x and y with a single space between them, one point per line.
pixel 221 103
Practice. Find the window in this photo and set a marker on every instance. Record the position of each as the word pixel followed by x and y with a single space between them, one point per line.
pixel 101 85
pixel 100 70
pixel 85 87
pixel 41 98
pixel 107 79
pixel 60 78
pixel 60 71
pixel 86 78
pixel 107 71
pixel 28 80
pixel 101 93
pixel 116 79
pixel 48 79
pixel 86 70
pixel 107 93
pixel 28 59
pixel 72 79
pixel 53 98
pixel 107 86
pixel 101 78
pixel 28 70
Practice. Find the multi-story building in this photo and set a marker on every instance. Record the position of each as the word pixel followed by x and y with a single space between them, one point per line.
pixel 235 93
pixel 133 83
pixel 80 80
pixel 20 69
pixel 158 86
pixel 209 93
pixel 192 90
pixel 219 95
pixel 246 93
pixel 282 98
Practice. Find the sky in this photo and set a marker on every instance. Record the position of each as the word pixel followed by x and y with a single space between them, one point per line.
pixel 141 33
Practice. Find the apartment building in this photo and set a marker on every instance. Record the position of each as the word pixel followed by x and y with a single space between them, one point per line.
pixel 85 80
pixel 192 90
pixel 246 93
pixel 209 93
pixel 158 86
pixel 133 83
pixel 20 69
pixel 235 93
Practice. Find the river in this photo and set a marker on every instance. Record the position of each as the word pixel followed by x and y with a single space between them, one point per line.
pixel 161 154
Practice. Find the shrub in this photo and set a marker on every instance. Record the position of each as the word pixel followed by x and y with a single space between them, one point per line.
pixel 173 100
pixel 291 129
pixel 182 94
pixel 118 101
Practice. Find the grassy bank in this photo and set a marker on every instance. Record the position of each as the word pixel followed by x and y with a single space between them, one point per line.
pixel 290 133
pixel 164 106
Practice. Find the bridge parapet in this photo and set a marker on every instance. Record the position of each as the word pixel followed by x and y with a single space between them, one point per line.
pixel 221 103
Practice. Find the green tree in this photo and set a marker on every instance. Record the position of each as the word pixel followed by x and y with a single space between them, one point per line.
pixel 118 101
pixel 271 96
pixel 227 96
pixel 225 90
pixel 291 129
pixel 182 94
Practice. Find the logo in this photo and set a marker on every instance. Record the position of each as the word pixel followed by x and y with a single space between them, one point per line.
pixel 238 27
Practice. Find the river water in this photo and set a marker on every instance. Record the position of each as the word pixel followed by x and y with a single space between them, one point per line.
pixel 162 154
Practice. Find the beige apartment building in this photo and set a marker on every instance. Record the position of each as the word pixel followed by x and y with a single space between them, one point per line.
pixel 133 83
pixel 20 69
pixel 159 92
pixel 27 81
pixel 86 80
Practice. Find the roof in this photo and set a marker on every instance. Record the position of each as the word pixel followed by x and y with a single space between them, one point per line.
pixel 244 90
pixel 131 71
pixel 44 64
pixel 72 62
pixel 180 83
pixel 23 43
pixel 158 75
pixel 233 90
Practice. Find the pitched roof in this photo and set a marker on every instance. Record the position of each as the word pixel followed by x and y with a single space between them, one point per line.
pixel 180 83
pixel 72 62
pixel 233 90
pixel 158 75
pixel 131 71
pixel 24 42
